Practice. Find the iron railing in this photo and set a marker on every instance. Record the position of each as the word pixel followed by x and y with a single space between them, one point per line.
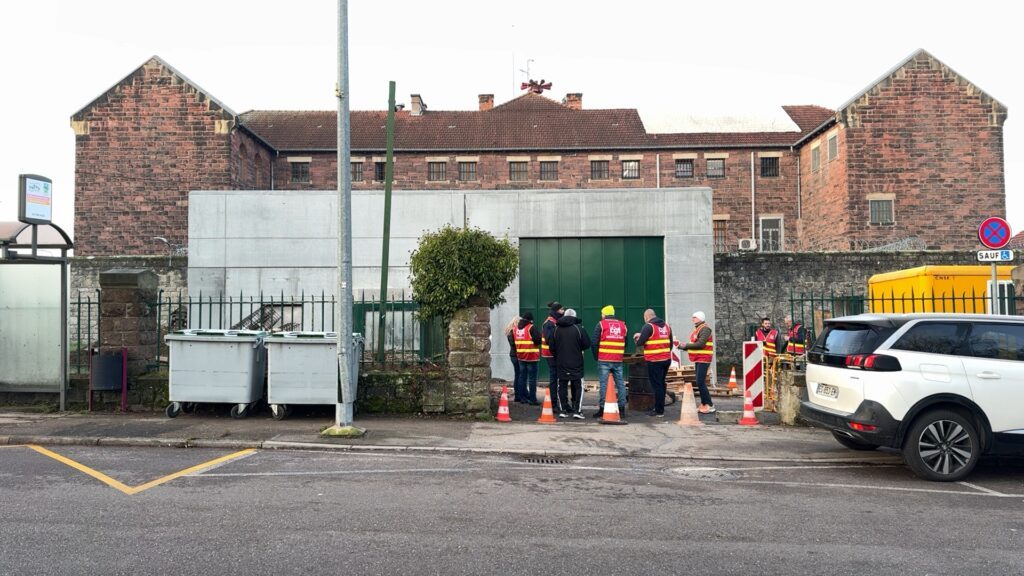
pixel 83 330
pixel 812 310
pixel 408 339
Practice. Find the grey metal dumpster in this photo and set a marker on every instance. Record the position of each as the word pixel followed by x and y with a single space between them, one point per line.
pixel 217 366
pixel 302 368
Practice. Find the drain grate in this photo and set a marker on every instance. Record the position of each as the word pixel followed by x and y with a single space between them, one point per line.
pixel 544 460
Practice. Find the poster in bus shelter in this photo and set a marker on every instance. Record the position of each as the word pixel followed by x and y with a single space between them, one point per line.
pixel 35 199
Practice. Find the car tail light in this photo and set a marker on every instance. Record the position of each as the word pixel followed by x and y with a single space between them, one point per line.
pixel 863 427
pixel 873 362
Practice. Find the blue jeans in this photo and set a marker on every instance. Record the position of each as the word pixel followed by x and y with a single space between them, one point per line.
pixel 701 369
pixel 515 379
pixel 526 383
pixel 615 369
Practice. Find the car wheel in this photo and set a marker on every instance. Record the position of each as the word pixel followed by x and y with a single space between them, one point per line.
pixel 942 446
pixel 852 443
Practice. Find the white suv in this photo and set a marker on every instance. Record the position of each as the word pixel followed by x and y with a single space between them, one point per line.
pixel 943 388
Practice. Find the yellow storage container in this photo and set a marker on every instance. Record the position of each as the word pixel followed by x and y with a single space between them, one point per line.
pixel 939 289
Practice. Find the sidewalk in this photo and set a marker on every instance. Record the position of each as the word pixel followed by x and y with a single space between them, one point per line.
pixel 651 438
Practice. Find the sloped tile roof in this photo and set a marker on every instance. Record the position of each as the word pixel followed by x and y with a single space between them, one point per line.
pixel 809 117
pixel 528 122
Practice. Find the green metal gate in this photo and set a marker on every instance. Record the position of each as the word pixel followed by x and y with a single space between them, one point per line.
pixel 589 273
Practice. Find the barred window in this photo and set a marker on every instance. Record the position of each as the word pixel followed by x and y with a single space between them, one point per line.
pixel 881 211
pixel 684 168
pixel 815 159
pixel 378 171
pixel 833 147
pixel 769 167
pixel 716 168
pixel 599 170
pixel 436 171
pixel 467 171
pixel 718 235
pixel 630 169
pixel 517 171
pixel 300 171
pixel 357 171
pixel 549 170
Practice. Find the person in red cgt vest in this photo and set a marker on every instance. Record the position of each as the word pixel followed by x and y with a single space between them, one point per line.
pixel 655 339
pixel 609 346
pixel 547 332
pixel 701 349
pixel 526 337
pixel 771 338
pixel 796 336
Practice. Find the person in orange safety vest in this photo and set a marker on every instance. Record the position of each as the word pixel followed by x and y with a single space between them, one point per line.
pixel 655 339
pixel 609 346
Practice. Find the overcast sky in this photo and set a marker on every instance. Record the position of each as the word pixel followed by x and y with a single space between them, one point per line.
pixel 674 61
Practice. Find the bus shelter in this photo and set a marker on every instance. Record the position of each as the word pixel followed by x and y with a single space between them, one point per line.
pixel 34 308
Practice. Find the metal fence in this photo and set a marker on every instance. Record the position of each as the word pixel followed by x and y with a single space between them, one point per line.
pixel 813 309
pixel 83 330
pixel 408 339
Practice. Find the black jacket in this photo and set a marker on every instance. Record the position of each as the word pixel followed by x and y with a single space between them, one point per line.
pixel 567 343
pixel 647 331
pixel 548 328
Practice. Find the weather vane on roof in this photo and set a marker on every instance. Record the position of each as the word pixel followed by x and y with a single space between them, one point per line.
pixel 536 87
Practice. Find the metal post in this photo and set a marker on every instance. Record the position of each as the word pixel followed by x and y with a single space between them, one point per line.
pixel 389 171
pixel 995 290
pixel 343 314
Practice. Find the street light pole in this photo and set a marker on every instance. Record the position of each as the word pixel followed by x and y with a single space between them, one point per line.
pixel 343 312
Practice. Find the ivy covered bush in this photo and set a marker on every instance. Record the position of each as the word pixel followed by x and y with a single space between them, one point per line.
pixel 452 265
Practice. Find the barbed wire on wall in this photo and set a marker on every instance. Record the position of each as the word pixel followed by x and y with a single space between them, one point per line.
pixel 907 244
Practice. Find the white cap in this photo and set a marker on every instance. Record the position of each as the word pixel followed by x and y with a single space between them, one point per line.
pixel 570 312
pixel 699 315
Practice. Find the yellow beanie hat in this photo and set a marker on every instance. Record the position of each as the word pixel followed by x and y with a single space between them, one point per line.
pixel 608 310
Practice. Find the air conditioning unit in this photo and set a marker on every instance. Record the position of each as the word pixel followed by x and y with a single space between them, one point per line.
pixel 748 244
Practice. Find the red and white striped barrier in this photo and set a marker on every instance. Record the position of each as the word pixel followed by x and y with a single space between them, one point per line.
pixel 753 372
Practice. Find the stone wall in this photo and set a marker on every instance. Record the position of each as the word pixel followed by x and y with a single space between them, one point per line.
pixel 469 361
pixel 751 286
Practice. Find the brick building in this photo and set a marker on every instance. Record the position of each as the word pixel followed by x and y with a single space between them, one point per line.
pixel 896 162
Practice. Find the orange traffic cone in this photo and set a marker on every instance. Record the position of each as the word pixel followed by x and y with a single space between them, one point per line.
pixel 749 419
pixel 547 414
pixel 688 411
pixel 610 412
pixel 503 415
pixel 732 380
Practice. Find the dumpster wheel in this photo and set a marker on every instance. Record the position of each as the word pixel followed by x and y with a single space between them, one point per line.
pixel 280 411
pixel 173 409
pixel 239 411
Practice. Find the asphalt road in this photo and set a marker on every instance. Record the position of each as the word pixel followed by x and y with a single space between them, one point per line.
pixel 271 512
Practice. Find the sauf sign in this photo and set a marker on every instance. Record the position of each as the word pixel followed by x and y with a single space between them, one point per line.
pixel 994 233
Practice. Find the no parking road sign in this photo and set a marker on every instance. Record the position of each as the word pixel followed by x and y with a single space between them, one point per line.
pixel 994 233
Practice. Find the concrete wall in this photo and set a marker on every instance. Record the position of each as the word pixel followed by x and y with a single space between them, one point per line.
pixel 285 241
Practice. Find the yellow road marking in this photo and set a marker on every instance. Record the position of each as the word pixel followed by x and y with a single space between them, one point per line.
pixel 129 490
pixel 13 446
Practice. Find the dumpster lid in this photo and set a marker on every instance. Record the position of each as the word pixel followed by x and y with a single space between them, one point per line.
pixel 221 333
pixel 307 334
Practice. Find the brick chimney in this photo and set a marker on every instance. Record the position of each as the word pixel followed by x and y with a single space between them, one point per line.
pixel 573 100
pixel 418 105
pixel 486 102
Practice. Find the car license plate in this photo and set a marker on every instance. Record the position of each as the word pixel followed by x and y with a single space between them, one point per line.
pixel 828 391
